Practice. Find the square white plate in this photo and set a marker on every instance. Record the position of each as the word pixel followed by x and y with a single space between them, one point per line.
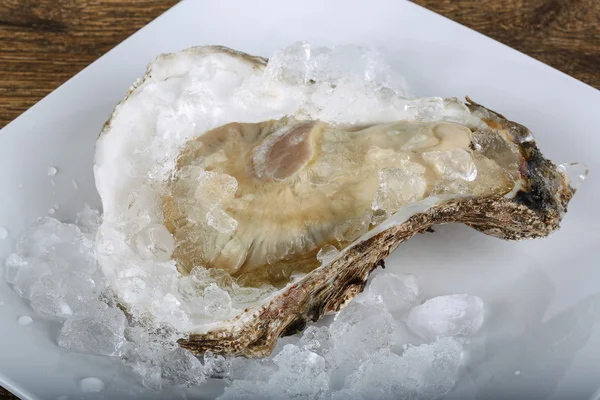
pixel 543 296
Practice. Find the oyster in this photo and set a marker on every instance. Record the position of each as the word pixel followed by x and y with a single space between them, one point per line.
pixel 237 209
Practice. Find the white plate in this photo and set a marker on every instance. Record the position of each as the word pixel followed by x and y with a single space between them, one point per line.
pixel 544 295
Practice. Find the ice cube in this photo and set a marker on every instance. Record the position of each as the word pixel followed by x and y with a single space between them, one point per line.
pixel 88 220
pixel 380 376
pixel 353 228
pixel 303 63
pixel 458 315
pixel 51 306
pixel 433 367
pixel 403 337
pixel 44 235
pixel 76 256
pixel 327 253
pixel 575 172
pixel 397 292
pixel 221 221
pixel 182 367
pixel 452 164
pixel 83 294
pixel 164 305
pixel 427 109
pixel 216 366
pixel 217 302
pixel 349 100
pixel 13 264
pixel 398 187
pixel 152 378
pixel 154 354
pixel 215 189
pixel 291 64
pixel 361 328
pixel 316 339
pixel 252 369
pixel 357 331
pixel 28 275
pixel 102 333
pixel 422 372
pixel 246 390
pixel 301 374
pixel 455 111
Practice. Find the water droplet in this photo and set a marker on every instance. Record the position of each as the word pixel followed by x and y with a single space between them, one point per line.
pixel 52 171
pixel 91 384
pixel 21 185
pixel 1 303
pixel 75 184
pixel 517 373
pixel 575 172
pixel 24 320
pixel 3 233
pixel 52 182
pixel 51 211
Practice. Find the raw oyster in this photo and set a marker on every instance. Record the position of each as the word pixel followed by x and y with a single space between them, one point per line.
pixel 237 209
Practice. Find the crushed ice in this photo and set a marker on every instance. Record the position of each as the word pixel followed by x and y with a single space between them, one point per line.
pixel 385 344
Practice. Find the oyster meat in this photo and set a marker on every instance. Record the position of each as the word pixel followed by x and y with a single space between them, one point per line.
pixel 241 202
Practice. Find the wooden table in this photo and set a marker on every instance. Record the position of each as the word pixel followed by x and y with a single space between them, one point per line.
pixel 43 43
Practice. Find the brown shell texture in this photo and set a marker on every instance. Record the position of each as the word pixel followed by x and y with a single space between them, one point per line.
pixel 535 211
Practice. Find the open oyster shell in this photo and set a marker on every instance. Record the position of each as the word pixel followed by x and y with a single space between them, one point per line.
pixel 237 209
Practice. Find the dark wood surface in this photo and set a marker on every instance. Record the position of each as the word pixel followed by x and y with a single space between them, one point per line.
pixel 562 33
pixel 43 43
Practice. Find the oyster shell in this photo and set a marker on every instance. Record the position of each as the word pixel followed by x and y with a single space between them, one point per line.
pixel 237 210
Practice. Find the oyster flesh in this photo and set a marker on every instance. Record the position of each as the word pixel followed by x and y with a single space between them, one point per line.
pixel 241 203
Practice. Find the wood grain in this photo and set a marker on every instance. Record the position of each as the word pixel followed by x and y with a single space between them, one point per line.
pixel 562 33
pixel 4 394
pixel 43 43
